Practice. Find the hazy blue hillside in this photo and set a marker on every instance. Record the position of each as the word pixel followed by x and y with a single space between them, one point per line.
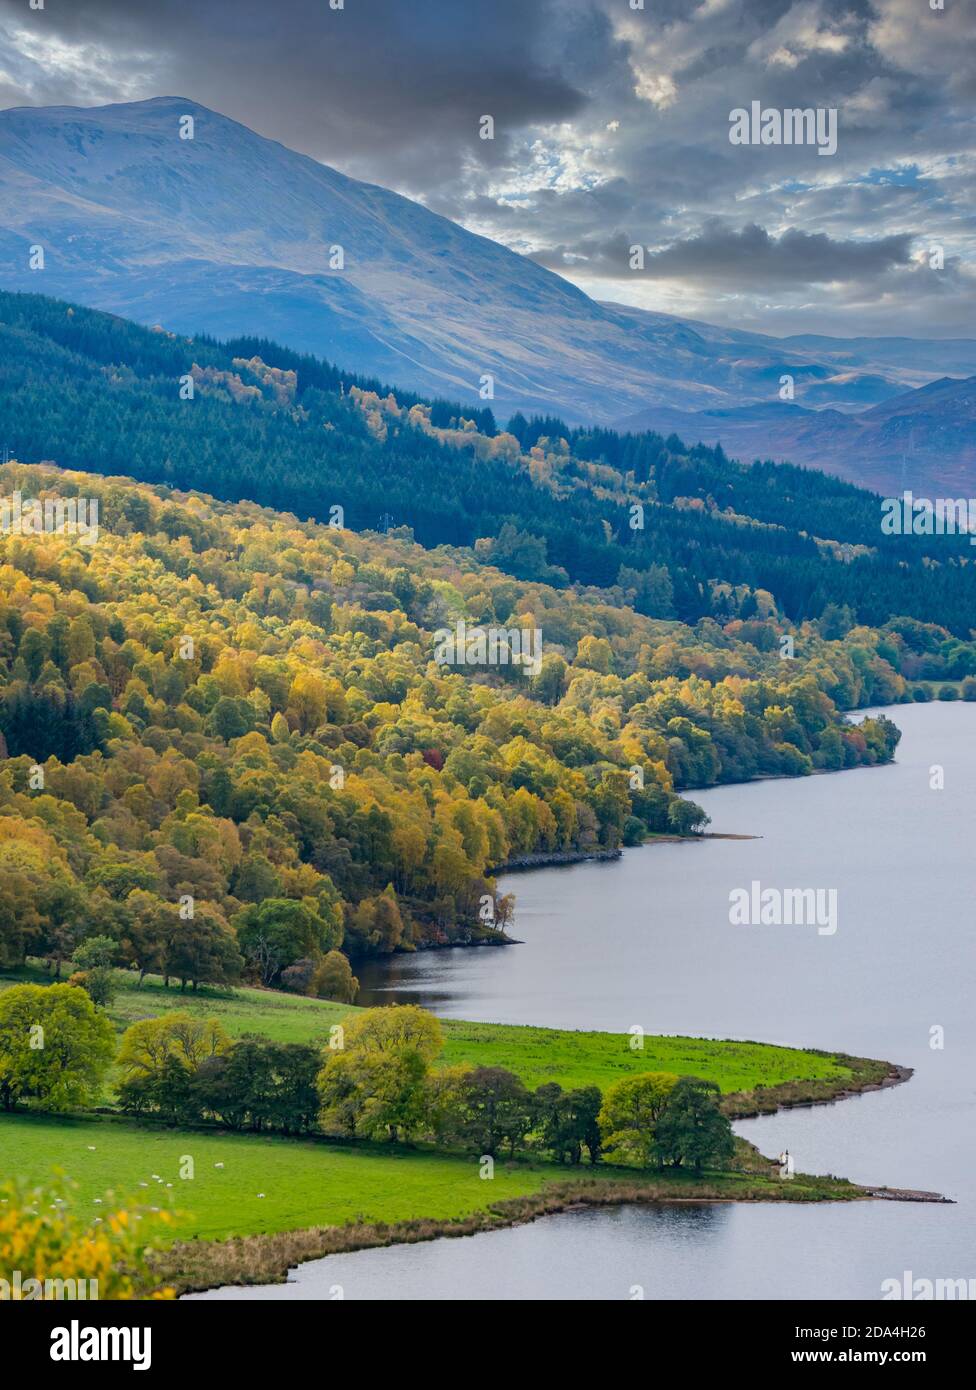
pixel 923 439
pixel 230 233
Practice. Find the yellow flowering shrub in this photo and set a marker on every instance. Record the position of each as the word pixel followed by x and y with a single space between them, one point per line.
pixel 49 1250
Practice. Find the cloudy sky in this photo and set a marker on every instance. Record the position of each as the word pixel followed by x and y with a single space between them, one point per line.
pixel 611 129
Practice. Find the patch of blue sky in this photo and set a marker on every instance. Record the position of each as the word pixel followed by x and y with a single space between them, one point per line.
pixel 904 175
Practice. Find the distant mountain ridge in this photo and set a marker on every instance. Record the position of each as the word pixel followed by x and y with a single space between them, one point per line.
pixel 924 439
pixel 230 233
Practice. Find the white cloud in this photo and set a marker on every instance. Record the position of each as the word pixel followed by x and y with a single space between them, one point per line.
pixel 656 87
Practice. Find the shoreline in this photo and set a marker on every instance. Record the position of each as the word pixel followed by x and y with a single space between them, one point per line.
pixel 248 1261
pixel 867 1075
pixel 196 1266
pixel 544 859
pixel 550 859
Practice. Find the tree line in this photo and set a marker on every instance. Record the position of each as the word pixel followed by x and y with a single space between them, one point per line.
pixel 375 1080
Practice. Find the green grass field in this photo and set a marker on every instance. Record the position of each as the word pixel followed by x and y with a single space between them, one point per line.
pixel 536 1054
pixel 305 1183
pixel 599 1059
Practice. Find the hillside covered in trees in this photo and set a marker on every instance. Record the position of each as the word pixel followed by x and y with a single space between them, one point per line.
pixel 685 531
pixel 230 748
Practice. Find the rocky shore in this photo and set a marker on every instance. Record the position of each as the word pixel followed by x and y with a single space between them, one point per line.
pixel 546 858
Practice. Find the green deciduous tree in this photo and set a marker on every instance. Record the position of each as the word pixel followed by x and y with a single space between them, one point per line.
pixel 94 959
pixel 691 1129
pixel 55 1047
pixel 568 1121
pixel 491 1108
pixel 629 1115
pixel 279 931
pixel 375 1085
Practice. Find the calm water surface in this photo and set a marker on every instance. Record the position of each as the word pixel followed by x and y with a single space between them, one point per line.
pixel 648 941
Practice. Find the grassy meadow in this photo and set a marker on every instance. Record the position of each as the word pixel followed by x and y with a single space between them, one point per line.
pixel 305 1182
pixel 270 1184
pixel 537 1055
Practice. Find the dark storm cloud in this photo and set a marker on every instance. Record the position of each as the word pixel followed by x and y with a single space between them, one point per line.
pixel 397 86
pixel 611 129
pixel 747 255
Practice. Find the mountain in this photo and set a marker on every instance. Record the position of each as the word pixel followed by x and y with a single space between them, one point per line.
pixel 924 439
pixel 231 233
